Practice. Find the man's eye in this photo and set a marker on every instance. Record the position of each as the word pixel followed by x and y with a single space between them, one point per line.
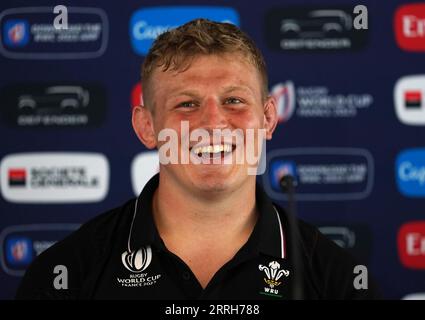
pixel 187 104
pixel 233 101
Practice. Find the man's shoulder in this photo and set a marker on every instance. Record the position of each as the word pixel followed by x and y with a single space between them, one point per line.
pixel 79 253
pixel 96 230
pixel 106 222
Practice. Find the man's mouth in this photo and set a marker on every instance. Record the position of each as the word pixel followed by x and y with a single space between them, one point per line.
pixel 213 151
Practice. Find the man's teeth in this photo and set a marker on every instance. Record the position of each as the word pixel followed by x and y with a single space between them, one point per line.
pixel 217 148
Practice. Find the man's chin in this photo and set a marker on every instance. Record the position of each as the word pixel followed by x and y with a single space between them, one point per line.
pixel 212 187
pixel 216 181
pixel 211 180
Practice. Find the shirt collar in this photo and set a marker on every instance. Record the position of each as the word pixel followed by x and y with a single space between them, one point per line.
pixel 270 227
pixel 267 237
pixel 143 231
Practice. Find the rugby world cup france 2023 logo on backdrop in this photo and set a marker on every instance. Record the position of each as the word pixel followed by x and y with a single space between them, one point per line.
pixel 321 174
pixel 21 244
pixel 30 33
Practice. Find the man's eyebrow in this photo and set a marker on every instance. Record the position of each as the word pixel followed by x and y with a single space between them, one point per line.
pixel 189 93
pixel 236 88
pixel 195 94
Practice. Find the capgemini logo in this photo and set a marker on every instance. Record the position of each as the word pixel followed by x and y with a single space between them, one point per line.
pixel 137 261
pixel 410 172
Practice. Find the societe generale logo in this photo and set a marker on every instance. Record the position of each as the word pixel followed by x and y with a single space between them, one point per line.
pixel 409 99
pixel 411 244
pixel 409 25
pixel 53 177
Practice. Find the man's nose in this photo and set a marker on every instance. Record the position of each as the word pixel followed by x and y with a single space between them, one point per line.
pixel 213 115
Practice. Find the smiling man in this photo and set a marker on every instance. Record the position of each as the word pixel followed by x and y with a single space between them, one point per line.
pixel 201 228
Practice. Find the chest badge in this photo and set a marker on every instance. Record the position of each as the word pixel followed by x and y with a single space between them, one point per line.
pixel 137 262
pixel 273 278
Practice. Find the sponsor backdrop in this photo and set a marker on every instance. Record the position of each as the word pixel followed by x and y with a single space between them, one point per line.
pixel 351 108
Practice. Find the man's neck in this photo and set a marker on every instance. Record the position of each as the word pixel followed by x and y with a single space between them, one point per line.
pixel 204 231
pixel 180 212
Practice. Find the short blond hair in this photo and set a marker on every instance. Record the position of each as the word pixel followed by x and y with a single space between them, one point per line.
pixel 175 49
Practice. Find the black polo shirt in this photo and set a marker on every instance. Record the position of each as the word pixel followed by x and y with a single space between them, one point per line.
pixel 120 255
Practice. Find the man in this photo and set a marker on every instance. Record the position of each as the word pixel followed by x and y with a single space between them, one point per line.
pixel 201 229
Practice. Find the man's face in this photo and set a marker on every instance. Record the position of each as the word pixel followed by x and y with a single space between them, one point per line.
pixel 215 92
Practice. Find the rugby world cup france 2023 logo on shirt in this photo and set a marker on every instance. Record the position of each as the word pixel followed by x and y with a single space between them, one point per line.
pixel 137 262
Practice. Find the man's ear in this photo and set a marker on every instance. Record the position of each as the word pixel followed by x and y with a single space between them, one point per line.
pixel 142 121
pixel 270 116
